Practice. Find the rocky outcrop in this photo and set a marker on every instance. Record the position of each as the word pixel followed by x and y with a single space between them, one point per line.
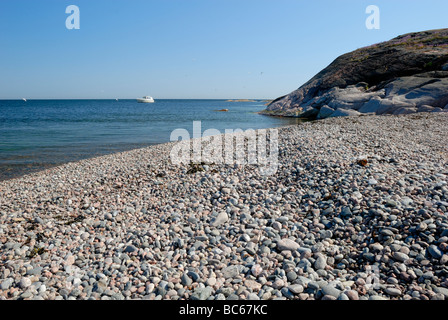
pixel 405 75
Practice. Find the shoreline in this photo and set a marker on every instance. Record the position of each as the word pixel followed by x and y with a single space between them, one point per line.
pixel 130 225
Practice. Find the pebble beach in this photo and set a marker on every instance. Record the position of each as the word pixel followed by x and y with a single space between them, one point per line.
pixel 357 210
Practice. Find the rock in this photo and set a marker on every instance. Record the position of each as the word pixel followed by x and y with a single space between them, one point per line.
pixel 320 263
pixel 309 112
pixel 391 203
pixel 194 276
pixel 252 285
pixel 186 280
pixel 405 110
pixel 287 244
pixel 287 293
pixel 376 297
pixel 210 282
pixel 130 249
pixel 344 113
pixel 376 247
pixel 346 213
pixel 393 291
pixel 331 291
pixel 291 276
pixel 399 256
pixel 256 270
pixel 230 272
pixel 24 283
pixel 392 77
pixel 442 290
pixel 352 294
pixel 343 297
pixel 435 252
pixel 372 106
pixel 425 108
pixel 325 112
pixel 202 293
pixel 252 297
pixel 6 284
pixel 220 219
pixel 444 259
pixel 296 288
pixel 35 271
pixel 39 220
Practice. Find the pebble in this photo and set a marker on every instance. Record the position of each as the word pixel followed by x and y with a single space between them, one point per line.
pixel 399 256
pixel 321 263
pixel 186 280
pixel 220 219
pixel 230 272
pixel 393 291
pixel 287 244
pixel 435 252
pixel 6 284
pixel 114 227
pixel 296 288
pixel 331 291
pixel 24 283
pixel 352 294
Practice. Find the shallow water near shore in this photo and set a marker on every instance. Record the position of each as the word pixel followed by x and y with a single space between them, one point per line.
pixel 39 134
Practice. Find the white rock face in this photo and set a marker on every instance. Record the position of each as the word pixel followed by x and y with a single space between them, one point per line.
pixel 344 113
pixel 405 110
pixel 325 112
pixel 403 95
pixel 425 108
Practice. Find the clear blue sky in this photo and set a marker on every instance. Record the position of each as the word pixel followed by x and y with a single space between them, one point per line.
pixel 188 48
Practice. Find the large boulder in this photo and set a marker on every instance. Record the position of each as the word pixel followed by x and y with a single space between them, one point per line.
pixel 394 77
pixel 426 108
pixel 345 113
pixel 325 112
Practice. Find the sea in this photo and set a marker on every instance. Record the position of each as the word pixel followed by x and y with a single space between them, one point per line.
pixel 39 134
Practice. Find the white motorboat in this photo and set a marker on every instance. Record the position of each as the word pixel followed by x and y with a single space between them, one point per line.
pixel 146 99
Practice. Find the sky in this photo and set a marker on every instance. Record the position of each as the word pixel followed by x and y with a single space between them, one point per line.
pixel 188 49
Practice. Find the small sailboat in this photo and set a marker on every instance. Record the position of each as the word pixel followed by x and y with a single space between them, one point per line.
pixel 116 99
pixel 24 99
pixel 146 99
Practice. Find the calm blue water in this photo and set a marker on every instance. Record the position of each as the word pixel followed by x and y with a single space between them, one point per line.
pixel 42 133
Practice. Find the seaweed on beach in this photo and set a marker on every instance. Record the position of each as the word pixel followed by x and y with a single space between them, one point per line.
pixel 362 162
pixel 198 167
pixel 36 252
pixel 75 220
pixel 195 167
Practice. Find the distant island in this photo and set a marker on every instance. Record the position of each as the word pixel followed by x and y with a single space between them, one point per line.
pixel 241 100
pixel 405 75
